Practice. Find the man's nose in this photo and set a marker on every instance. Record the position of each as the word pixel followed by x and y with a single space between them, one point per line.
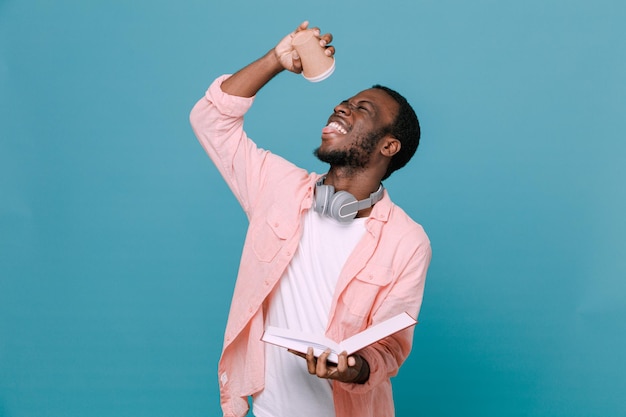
pixel 343 108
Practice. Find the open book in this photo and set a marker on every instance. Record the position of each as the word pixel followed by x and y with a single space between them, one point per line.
pixel 300 341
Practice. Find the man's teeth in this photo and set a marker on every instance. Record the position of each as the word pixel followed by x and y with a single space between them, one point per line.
pixel 338 127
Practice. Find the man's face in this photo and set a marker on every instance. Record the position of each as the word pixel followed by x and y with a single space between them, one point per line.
pixel 355 128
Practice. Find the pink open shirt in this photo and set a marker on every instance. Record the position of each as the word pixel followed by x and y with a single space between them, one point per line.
pixel 384 276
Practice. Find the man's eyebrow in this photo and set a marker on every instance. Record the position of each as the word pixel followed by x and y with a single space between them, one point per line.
pixel 366 101
pixel 361 101
pixel 370 106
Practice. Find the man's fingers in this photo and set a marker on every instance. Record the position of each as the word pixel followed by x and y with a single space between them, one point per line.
pixel 296 62
pixel 325 39
pixel 351 361
pixel 302 26
pixel 343 370
pixel 321 370
pixel 342 362
pixel 310 361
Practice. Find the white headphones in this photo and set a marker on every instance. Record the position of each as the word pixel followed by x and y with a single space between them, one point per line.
pixel 341 206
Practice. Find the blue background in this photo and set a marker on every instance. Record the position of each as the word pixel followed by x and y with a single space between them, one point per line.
pixel 119 242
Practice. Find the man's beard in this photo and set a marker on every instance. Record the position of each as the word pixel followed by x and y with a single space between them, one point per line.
pixel 357 156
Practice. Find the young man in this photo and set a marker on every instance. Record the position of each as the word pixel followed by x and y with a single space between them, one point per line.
pixel 327 254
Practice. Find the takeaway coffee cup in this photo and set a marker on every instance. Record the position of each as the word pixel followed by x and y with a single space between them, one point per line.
pixel 316 65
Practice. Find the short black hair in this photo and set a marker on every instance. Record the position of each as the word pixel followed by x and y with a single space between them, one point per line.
pixel 406 128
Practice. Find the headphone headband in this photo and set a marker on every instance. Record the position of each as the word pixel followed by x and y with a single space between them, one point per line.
pixel 342 206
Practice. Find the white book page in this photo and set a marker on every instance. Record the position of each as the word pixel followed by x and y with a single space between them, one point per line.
pixel 376 332
pixel 300 341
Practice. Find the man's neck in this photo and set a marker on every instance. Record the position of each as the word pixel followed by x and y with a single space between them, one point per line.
pixel 360 184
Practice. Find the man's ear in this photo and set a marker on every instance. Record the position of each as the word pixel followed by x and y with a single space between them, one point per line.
pixel 391 146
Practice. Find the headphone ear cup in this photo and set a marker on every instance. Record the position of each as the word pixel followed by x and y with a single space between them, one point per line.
pixel 340 200
pixel 323 194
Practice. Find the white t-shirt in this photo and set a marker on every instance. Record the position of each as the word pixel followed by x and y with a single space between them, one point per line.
pixel 302 301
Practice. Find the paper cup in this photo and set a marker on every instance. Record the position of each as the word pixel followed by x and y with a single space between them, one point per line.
pixel 316 65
